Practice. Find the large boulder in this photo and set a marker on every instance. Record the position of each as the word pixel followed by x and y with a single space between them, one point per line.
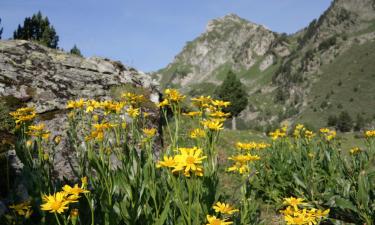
pixel 46 79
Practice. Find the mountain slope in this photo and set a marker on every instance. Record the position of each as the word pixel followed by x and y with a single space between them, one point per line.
pixel 285 76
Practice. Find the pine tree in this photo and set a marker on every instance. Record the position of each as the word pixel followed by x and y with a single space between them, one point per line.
pixel 332 121
pixel 344 122
pixel 1 29
pixel 75 51
pixel 37 29
pixel 359 123
pixel 233 90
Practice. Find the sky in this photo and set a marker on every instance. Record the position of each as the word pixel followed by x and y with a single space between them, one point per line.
pixel 147 34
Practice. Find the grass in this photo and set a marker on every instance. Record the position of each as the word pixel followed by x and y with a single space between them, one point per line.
pixel 348 83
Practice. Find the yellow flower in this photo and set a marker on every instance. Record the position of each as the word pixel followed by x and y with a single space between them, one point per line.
pixel 29 143
pixel 167 162
pixel 163 103
pixel 193 114
pixel 244 158
pixel 99 129
pixel 319 213
pixel 57 139
pixel 355 150
pixel 220 104
pixel 133 98
pixel 278 133
pixel 38 130
pixel 294 202
pixel 219 114
pixel 212 220
pixel 75 190
pixel 149 132
pixel 197 133
pixel 95 118
pixel 23 115
pixel 251 145
pixel 173 95
pixel 75 104
pixel 288 211
pixel 22 209
pixel 190 159
pixel 324 130
pixel 309 134
pixel 133 112
pixel 213 124
pixel 328 134
pixel 201 102
pixel 91 105
pixel 370 133
pixel 240 167
pixel 224 208
pixel 56 203
pixel 299 220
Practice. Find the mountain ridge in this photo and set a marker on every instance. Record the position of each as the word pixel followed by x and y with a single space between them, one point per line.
pixel 278 69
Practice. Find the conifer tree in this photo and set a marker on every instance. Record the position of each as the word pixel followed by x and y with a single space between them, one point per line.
pixel 75 51
pixel 233 90
pixel 38 29
pixel 344 122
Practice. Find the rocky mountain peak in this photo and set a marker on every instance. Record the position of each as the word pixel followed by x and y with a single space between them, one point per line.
pixel 228 40
pixel 229 20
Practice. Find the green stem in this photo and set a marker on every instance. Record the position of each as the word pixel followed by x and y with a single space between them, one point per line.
pixel 91 209
pixel 57 219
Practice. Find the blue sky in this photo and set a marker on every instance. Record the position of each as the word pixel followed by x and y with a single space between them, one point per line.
pixel 147 34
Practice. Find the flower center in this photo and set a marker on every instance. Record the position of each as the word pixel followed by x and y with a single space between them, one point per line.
pixel 56 205
pixel 190 160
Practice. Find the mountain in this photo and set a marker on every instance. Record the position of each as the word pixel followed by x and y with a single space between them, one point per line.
pixel 319 71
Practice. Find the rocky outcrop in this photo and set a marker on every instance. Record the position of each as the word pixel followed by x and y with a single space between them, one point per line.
pixel 46 79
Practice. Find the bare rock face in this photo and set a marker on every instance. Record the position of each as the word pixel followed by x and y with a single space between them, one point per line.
pixel 46 79
pixel 229 40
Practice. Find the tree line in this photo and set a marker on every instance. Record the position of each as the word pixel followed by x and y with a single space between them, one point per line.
pixel 39 29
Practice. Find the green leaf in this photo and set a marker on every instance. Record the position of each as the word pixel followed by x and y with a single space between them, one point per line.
pixel 164 214
pixel 345 204
pixel 298 181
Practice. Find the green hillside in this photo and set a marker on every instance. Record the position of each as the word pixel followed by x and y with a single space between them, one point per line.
pixel 347 84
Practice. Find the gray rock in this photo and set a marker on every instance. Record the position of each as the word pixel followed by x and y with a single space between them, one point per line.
pixel 46 79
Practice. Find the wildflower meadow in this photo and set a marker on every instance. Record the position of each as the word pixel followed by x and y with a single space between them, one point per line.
pixel 121 177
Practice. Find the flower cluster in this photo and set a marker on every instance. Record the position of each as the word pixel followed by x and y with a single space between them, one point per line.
pixel 327 133
pixel 213 124
pixel 301 131
pixel 171 96
pixel 355 150
pixel 22 209
pixel 370 133
pixel 99 129
pixel 278 133
pixel 297 213
pixel 38 131
pixel 23 115
pixel 149 132
pixel 109 106
pixel 251 146
pixel 59 201
pixel 197 133
pixel 241 163
pixel 188 161
pixel 224 209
